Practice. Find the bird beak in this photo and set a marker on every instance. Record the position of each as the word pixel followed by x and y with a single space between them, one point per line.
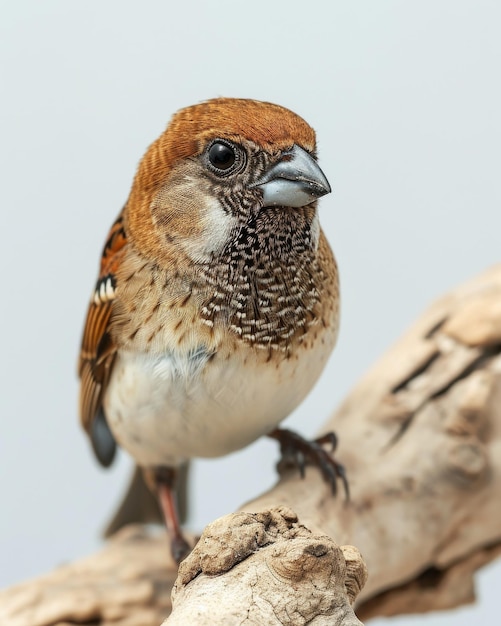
pixel 296 180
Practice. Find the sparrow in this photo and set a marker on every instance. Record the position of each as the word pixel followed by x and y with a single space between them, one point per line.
pixel 217 301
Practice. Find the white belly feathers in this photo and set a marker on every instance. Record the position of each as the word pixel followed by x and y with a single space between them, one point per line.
pixel 166 409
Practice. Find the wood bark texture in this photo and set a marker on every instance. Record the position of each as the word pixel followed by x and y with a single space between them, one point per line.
pixel 266 568
pixel 420 437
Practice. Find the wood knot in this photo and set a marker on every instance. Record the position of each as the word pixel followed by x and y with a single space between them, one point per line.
pixel 467 462
pixel 306 558
pixel 317 549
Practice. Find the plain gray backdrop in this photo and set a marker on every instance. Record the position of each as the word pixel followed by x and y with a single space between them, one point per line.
pixel 405 98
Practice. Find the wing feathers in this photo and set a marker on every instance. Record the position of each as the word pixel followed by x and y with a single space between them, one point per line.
pixel 98 350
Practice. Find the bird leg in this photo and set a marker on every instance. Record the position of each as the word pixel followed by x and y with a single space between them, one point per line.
pixel 165 482
pixel 297 451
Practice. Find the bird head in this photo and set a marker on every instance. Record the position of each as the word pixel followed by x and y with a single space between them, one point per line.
pixel 218 165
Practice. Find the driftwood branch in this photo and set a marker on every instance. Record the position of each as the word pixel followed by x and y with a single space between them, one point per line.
pixel 266 568
pixel 420 437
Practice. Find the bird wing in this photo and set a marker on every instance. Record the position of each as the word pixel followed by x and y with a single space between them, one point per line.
pixel 95 364
pixel 98 350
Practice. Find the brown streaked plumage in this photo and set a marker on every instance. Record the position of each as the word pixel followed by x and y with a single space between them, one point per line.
pixel 217 301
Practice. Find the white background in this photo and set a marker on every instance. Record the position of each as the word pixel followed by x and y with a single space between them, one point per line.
pixel 406 101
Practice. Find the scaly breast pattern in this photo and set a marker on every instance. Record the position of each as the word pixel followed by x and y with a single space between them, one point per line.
pixel 197 375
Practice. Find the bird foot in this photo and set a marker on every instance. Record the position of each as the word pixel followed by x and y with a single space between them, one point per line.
pixel 297 452
pixel 179 548
pixel 164 478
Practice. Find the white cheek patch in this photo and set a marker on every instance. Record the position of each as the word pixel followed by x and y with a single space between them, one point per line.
pixel 216 226
pixel 194 218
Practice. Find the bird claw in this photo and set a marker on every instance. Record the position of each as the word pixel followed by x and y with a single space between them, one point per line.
pixel 297 451
pixel 179 548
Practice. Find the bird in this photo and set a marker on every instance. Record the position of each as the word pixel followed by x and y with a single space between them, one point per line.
pixel 217 301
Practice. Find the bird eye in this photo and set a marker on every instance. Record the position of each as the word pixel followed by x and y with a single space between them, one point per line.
pixel 221 156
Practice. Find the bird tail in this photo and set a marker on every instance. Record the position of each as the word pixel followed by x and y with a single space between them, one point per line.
pixel 140 505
